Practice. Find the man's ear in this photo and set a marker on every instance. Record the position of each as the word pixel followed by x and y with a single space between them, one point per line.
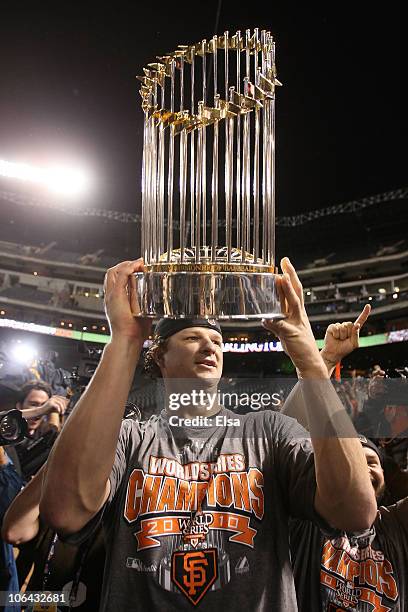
pixel 19 406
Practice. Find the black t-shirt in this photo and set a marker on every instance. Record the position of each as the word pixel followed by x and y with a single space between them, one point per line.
pixel 367 572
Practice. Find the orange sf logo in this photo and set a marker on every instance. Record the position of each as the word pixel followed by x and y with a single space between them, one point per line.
pixel 194 564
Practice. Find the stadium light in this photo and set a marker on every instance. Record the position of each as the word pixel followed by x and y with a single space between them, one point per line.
pixel 64 180
pixel 24 353
pixel 67 181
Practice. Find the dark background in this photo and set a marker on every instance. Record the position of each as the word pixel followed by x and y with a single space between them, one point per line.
pixel 68 91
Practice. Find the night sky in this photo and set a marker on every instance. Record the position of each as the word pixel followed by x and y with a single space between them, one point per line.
pixel 68 91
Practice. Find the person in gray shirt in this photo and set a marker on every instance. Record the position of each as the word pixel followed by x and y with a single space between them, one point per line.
pixel 196 502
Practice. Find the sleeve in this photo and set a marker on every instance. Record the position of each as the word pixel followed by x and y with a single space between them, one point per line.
pixel 122 456
pixel 123 451
pixel 293 455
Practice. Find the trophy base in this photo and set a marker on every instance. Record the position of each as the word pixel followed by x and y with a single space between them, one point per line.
pixel 219 295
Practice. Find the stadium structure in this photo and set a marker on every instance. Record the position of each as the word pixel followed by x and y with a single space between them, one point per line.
pixel 53 259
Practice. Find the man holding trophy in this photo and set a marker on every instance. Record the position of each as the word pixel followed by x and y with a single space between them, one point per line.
pixel 198 515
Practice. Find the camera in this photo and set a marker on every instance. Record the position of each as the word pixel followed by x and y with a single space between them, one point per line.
pixel 13 427
pixel 35 453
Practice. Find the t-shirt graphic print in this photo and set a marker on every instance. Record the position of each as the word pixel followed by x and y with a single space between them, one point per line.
pixel 198 517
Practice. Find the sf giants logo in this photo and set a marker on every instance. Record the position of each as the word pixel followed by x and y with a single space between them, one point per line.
pixel 194 572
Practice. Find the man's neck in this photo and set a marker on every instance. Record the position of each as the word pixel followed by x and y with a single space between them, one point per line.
pixel 192 400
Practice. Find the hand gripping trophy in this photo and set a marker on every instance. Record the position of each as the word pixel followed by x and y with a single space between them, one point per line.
pixel 208 181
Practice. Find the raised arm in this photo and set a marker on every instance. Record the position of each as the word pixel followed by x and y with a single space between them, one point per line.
pixel 344 495
pixel 341 339
pixel 76 480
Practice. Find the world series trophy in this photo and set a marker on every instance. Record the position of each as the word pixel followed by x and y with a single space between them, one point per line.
pixel 208 181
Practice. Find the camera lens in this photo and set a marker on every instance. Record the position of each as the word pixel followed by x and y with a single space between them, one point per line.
pixel 9 428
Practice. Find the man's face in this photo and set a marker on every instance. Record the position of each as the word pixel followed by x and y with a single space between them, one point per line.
pixel 194 352
pixel 376 472
pixel 34 399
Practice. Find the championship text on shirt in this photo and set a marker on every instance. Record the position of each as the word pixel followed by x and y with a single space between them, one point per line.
pixel 173 487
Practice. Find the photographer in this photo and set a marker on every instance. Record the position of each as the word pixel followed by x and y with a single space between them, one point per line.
pixel 41 409
pixel 57 566
pixel 44 415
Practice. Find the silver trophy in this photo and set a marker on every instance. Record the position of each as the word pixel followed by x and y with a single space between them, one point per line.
pixel 208 181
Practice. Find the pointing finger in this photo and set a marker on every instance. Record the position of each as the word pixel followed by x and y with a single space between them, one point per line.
pixel 362 318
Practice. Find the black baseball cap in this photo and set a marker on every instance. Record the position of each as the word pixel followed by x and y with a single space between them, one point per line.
pixel 369 444
pixel 167 327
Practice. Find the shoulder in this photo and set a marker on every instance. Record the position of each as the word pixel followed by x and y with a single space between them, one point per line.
pixel 130 424
pixel 134 429
pixel 278 428
pixel 128 428
pixel 274 424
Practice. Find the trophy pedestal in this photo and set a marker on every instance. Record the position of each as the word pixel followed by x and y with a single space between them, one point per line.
pixel 213 295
